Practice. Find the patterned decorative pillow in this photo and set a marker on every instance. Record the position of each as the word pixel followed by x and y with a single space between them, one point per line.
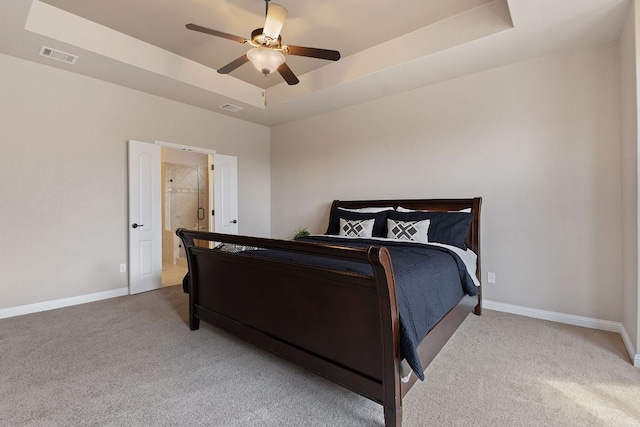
pixel 416 231
pixel 379 226
pixel 233 248
pixel 450 228
pixel 356 227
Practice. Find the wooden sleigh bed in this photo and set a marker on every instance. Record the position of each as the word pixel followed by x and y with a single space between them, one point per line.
pixel 341 325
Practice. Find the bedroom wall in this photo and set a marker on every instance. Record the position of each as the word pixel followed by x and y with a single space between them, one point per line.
pixel 629 51
pixel 538 140
pixel 64 186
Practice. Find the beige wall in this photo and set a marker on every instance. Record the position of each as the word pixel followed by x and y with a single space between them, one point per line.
pixel 63 186
pixel 629 124
pixel 538 140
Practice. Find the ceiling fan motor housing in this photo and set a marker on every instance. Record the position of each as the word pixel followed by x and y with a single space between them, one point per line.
pixel 258 38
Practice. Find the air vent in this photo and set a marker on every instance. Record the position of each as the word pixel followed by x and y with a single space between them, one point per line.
pixel 58 55
pixel 231 107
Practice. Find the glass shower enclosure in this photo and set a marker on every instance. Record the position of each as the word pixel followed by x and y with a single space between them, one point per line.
pixel 186 200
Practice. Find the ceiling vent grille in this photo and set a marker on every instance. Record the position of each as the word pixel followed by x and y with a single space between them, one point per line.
pixel 58 55
pixel 231 107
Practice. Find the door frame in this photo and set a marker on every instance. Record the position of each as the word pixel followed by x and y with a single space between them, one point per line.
pixel 210 161
pixel 182 147
pixel 185 147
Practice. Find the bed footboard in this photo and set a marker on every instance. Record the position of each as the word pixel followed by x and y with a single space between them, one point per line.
pixel 343 326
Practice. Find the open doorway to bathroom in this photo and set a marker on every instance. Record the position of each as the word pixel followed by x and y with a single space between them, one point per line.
pixel 186 203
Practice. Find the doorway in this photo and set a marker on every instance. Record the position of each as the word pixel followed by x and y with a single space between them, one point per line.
pixel 186 203
pixel 148 208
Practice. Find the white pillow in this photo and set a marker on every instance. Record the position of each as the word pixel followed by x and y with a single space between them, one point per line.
pixel 356 227
pixel 367 210
pixel 416 231
pixel 401 209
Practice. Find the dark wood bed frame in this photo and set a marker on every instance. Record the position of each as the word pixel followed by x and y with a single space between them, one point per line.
pixel 342 326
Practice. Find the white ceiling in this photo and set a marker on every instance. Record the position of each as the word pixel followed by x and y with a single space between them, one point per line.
pixel 386 47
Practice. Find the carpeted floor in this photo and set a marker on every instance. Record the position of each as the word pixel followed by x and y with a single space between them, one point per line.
pixel 132 361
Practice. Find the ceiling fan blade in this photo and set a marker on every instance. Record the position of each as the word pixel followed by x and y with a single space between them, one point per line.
pixel 287 74
pixel 274 21
pixel 312 52
pixel 233 65
pixel 216 33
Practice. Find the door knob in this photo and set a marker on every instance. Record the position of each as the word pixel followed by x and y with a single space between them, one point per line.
pixel 134 225
pixel 235 221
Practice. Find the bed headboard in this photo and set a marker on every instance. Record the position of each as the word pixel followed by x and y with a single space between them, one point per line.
pixel 473 237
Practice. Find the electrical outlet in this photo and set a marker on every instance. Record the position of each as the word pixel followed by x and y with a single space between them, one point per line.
pixel 491 277
pixel 123 268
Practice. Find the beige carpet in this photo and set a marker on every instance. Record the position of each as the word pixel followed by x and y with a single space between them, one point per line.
pixel 132 361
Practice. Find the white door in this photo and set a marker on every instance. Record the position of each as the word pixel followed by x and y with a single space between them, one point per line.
pixel 145 220
pixel 226 193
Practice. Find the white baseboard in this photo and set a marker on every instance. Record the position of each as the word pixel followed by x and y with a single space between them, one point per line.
pixel 569 319
pixel 60 303
pixel 635 357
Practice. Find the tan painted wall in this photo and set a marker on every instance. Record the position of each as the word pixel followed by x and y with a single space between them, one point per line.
pixel 538 140
pixel 63 166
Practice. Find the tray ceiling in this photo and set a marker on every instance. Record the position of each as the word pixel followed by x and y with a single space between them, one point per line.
pixel 387 47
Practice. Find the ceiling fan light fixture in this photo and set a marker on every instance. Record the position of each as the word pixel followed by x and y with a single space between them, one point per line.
pixel 265 60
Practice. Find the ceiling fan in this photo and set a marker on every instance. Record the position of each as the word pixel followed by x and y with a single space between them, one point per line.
pixel 268 52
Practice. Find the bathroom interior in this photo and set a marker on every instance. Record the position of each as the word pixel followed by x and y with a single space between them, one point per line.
pixel 185 204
